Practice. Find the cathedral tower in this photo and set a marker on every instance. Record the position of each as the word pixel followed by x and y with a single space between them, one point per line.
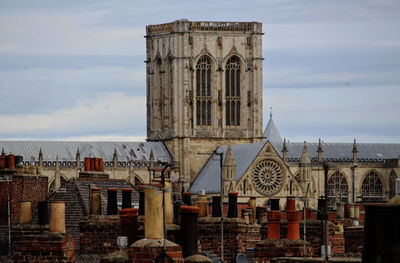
pixel 204 87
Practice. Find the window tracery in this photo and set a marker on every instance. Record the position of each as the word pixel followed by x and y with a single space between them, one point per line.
pixel 203 91
pixel 232 92
pixel 338 189
pixel 372 187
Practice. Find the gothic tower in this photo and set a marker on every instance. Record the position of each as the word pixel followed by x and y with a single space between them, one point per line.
pixel 204 87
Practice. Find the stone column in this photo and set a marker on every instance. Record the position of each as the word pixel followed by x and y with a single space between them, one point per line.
pixel 203 206
pixel 216 206
pixel 356 211
pixel 351 210
pixel 25 216
pixel 112 204
pixel 340 210
pixel 129 223
pixel 189 230
pixel 95 201
pixel 232 207
pixel 43 213
pixel 153 223
pixel 274 218
pixel 253 204
pixel 126 198
pixel 57 221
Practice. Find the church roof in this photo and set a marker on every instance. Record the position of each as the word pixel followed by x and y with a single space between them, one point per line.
pixel 271 132
pixel 66 150
pixel 209 178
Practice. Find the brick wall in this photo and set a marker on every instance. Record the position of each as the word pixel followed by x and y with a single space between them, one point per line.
pixel 354 238
pixel 313 235
pixel 35 244
pixel 268 249
pixel 237 236
pixel 22 188
pixel 99 234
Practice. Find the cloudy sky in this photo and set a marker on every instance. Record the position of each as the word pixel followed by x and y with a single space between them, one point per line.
pixel 73 70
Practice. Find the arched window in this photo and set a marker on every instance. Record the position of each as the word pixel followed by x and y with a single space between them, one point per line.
pixel 232 92
pixel 338 189
pixel 372 188
pixel 203 91
pixel 392 184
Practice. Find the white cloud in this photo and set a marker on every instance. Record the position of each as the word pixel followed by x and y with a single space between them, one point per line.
pixel 114 111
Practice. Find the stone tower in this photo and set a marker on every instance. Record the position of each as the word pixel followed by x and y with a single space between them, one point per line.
pixel 204 87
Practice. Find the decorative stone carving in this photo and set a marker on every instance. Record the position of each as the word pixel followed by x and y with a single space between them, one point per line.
pixel 268 177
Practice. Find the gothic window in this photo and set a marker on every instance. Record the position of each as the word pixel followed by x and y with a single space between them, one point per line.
pixel 232 92
pixel 338 189
pixel 392 184
pixel 268 177
pixel 372 187
pixel 203 91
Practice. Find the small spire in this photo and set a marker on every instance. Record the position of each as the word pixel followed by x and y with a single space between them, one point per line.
pixel 229 157
pixel 320 146
pixel 305 157
pixel 40 154
pixel 151 155
pixel 355 146
pixel 115 153
pixel 284 148
pixel 78 154
pixel 270 112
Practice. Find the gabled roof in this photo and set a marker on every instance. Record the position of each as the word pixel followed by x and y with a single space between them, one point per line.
pixel 66 150
pixel 209 178
pixel 271 132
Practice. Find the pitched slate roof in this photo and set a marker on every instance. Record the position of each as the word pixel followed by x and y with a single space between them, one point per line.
pixel 271 132
pixel 342 152
pixel 209 177
pixel 66 150
pixel 76 198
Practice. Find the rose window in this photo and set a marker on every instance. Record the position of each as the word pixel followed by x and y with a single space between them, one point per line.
pixel 268 177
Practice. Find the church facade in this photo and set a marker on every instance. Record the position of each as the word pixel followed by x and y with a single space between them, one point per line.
pixel 204 88
pixel 204 97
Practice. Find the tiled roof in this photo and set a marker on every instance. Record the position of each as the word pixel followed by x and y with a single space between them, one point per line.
pixel 66 150
pixel 76 198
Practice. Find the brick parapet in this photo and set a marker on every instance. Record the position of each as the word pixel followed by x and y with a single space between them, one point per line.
pixel 354 238
pixel 99 234
pixel 237 236
pixel 35 244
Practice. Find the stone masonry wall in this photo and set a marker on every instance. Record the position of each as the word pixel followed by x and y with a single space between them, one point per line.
pixel 99 234
pixel 237 236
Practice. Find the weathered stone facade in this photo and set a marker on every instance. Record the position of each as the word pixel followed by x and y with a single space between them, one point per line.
pixel 204 87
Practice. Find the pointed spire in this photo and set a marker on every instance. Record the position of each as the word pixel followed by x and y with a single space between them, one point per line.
pixel 320 151
pixel 40 158
pixel 2 151
pixel 355 151
pixel 229 157
pixel 271 132
pixel 305 157
pixel 57 175
pixel 284 150
pixel 151 155
pixel 115 157
pixel 78 158
pixel 355 146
